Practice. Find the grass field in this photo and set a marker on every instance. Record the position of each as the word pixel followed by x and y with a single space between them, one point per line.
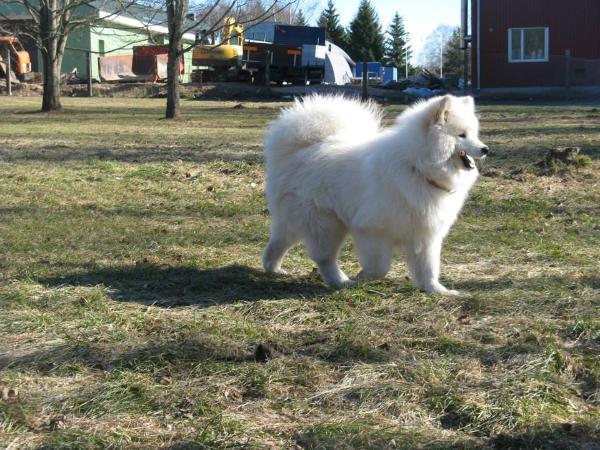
pixel 132 298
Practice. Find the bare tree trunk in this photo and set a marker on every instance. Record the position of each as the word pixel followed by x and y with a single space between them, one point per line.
pixel 176 11
pixel 51 96
pixel 53 51
pixel 173 103
pixel 49 24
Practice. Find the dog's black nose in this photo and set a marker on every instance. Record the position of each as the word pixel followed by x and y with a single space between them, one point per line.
pixel 485 150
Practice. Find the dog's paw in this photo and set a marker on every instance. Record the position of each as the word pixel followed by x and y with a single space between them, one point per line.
pixel 439 289
pixel 276 272
pixel 350 283
pixel 364 276
pixel 452 292
pixel 444 291
pixel 342 284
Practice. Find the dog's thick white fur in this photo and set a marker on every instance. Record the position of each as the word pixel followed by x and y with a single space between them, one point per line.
pixel 332 170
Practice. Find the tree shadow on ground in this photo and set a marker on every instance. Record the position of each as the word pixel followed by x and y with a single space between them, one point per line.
pixel 573 436
pixel 184 286
pixel 163 351
pixel 553 436
pixel 529 284
pixel 139 155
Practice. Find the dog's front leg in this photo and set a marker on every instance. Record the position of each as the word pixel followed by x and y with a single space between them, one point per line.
pixel 424 267
pixel 374 254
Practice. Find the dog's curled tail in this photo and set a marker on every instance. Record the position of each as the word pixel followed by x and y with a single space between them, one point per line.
pixel 322 118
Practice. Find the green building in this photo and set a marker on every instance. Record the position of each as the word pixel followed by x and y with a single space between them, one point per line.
pixel 110 32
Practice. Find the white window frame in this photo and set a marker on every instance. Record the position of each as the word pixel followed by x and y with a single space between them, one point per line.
pixel 521 30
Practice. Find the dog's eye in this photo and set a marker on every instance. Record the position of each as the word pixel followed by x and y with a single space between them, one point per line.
pixel 462 135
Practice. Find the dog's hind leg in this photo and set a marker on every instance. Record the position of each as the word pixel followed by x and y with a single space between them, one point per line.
pixel 424 267
pixel 323 242
pixel 282 239
pixel 374 254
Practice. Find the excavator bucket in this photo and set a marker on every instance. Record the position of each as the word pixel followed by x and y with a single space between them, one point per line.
pixel 13 76
pixel 140 66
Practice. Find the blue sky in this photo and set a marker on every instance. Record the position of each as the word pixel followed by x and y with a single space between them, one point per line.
pixel 420 16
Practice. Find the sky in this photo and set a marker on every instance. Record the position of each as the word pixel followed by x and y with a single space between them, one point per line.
pixel 420 17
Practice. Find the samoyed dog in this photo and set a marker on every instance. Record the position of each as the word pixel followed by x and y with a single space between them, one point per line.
pixel 332 171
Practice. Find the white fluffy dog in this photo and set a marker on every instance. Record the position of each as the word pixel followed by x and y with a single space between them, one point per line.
pixel 332 170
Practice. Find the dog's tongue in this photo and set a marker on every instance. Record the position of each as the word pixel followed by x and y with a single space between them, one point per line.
pixel 467 160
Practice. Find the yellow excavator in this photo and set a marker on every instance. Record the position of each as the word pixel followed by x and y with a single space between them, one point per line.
pixel 19 58
pixel 221 61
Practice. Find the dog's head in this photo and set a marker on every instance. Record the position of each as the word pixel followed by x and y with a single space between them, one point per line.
pixel 452 122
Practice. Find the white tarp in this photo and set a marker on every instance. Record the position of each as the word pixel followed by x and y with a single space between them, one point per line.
pixel 338 64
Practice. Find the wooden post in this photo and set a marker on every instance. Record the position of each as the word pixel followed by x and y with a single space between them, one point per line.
pixel 8 70
pixel 89 74
pixel 365 82
pixel 567 71
pixel 268 72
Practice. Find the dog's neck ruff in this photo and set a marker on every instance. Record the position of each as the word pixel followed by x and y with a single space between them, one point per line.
pixel 439 186
pixel 434 183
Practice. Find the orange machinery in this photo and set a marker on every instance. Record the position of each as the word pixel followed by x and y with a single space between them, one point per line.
pixel 20 59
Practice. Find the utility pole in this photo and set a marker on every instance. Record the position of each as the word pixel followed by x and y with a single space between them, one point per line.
pixel 406 60
pixel 466 39
pixel 441 57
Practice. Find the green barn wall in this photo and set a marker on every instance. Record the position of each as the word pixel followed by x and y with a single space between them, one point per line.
pixel 120 41
pixel 78 44
pixel 117 41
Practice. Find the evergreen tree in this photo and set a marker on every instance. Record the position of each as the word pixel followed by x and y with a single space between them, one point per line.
pixel 299 18
pixel 365 41
pixel 454 55
pixel 397 51
pixel 330 19
pixel 322 21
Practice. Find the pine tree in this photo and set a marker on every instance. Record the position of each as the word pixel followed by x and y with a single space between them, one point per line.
pixel 397 51
pixel 299 19
pixel 322 21
pixel 454 55
pixel 365 41
pixel 330 19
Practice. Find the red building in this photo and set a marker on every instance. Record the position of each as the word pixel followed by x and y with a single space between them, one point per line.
pixel 535 44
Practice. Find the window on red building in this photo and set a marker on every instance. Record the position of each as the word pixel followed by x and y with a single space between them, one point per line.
pixel 528 44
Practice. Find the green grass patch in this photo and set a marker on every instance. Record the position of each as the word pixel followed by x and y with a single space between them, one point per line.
pixel 132 298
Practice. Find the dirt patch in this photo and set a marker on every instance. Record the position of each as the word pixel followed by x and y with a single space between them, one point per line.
pixel 209 91
pixel 23 89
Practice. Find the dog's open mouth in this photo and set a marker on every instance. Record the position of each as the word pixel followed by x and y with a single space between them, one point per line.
pixel 467 161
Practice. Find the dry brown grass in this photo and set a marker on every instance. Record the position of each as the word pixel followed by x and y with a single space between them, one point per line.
pixel 132 299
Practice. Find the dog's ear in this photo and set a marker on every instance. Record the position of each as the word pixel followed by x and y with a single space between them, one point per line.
pixel 442 110
pixel 468 101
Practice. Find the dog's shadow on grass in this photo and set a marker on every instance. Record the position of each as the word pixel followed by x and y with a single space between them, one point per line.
pixel 182 286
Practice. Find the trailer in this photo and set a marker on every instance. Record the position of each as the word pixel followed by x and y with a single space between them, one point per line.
pixel 287 63
pixel 242 55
